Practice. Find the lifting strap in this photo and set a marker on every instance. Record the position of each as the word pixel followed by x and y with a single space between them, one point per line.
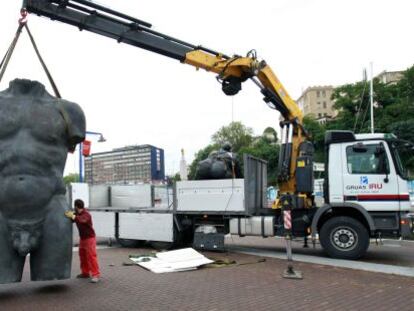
pixel 49 76
pixel 6 59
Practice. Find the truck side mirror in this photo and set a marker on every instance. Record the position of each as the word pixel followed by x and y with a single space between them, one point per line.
pixel 382 155
pixel 359 148
pixel 380 151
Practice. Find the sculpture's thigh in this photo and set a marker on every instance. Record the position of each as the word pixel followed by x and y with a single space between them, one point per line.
pixel 11 264
pixel 53 258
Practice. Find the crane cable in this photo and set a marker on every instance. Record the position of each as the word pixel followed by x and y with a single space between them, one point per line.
pixel 6 59
pixel 360 106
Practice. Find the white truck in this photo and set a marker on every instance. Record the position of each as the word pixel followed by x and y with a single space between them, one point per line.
pixel 366 196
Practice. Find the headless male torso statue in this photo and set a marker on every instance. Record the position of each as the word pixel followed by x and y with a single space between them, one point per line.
pixel 36 132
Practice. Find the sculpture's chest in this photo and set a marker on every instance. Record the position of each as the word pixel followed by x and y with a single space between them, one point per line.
pixel 41 117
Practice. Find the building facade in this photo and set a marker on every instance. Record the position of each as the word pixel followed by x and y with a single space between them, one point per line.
pixel 127 165
pixel 316 101
pixel 389 77
pixel 183 167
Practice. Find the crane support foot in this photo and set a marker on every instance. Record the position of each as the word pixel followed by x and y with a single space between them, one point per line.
pixel 305 243
pixel 290 273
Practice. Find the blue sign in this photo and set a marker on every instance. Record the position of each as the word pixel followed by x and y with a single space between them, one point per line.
pixel 364 180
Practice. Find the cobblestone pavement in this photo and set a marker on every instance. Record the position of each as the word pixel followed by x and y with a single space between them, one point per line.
pixel 399 253
pixel 391 252
pixel 247 285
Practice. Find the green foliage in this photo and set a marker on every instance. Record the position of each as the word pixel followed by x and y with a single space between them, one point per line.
pixel 403 129
pixel 406 87
pixel 394 102
pixel 317 132
pixel 267 151
pixel 71 178
pixel 236 134
pixel 242 140
pixel 172 179
pixel 349 100
pixel 353 103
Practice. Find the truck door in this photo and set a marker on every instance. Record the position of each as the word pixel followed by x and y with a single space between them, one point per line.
pixel 403 153
pixel 369 177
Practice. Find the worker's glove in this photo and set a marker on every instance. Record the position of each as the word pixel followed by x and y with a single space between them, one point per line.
pixel 70 214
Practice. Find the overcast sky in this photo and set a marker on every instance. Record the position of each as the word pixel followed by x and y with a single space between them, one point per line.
pixel 134 96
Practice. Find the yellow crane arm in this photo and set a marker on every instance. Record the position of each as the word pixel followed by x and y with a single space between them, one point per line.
pixel 238 69
pixel 242 67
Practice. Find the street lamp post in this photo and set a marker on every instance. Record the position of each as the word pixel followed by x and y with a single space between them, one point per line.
pixel 100 140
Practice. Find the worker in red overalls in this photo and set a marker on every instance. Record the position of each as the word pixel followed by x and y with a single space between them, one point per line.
pixel 87 244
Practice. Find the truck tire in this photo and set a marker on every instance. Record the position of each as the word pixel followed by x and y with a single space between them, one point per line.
pixel 162 246
pixel 186 238
pixel 127 243
pixel 344 237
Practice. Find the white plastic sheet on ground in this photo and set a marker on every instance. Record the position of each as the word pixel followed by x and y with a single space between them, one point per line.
pixel 173 261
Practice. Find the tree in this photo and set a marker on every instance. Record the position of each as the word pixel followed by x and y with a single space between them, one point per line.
pixel 267 151
pixel 236 134
pixel 172 179
pixel 403 129
pixel 353 103
pixel 71 178
pixel 317 133
pixel 394 102
pixel 243 141
pixel 406 86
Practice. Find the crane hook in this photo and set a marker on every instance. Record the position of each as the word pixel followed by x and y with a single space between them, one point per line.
pixel 23 16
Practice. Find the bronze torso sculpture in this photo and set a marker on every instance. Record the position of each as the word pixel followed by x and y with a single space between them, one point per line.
pixel 36 132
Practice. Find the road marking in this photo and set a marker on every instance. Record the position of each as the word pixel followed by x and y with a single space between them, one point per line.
pixel 392 245
pixel 408 243
pixel 341 263
pixel 76 248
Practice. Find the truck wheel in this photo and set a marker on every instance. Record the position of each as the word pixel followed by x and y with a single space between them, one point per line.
pixel 186 238
pixel 344 237
pixel 158 245
pixel 127 243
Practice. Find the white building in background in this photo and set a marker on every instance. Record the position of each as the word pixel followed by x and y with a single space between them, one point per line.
pixel 316 101
pixel 183 167
pixel 389 77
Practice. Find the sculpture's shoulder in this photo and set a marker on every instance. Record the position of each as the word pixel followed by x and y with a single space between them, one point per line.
pixel 4 96
pixel 75 121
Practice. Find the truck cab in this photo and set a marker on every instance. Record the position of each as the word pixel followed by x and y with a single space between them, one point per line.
pixel 366 192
